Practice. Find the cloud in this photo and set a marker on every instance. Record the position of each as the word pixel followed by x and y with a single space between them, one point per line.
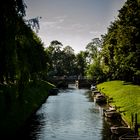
pixel 96 33
pixel 48 23
pixel 61 17
pixel 51 23
pixel 77 25
pixel 54 22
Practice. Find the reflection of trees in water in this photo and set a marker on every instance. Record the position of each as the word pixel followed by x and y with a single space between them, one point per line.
pixel 32 127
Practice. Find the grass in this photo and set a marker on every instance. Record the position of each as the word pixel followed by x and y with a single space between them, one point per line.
pixel 126 97
pixel 14 112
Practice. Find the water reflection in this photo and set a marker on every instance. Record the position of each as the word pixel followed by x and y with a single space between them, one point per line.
pixel 70 115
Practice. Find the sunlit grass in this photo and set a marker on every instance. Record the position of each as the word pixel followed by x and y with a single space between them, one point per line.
pixel 126 97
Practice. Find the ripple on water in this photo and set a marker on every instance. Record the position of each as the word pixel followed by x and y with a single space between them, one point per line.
pixel 69 116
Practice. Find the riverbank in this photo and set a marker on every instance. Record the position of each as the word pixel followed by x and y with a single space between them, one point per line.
pixel 14 111
pixel 125 96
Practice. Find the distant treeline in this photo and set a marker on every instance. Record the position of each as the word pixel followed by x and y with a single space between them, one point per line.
pixel 23 56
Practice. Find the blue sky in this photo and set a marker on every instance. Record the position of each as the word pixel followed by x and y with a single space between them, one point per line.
pixel 73 22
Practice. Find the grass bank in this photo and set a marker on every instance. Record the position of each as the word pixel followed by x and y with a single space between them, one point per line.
pixel 14 111
pixel 126 97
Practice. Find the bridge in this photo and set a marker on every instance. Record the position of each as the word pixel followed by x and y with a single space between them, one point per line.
pixel 63 82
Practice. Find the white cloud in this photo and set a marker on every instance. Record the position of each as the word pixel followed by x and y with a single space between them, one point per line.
pixel 51 23
pixel 54 22
pixel 95 33
pixel 61 17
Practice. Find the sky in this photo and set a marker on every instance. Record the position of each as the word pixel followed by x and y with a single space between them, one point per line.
pixel 73 22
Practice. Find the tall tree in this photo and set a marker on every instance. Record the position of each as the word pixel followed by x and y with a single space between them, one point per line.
pixel 11 11
pixel 121 45
pixel 81 63
pixel 94 71
pixel 68 61
pixel 92 49
pixel 54 53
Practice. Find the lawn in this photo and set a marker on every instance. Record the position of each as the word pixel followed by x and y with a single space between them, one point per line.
pixel 126 97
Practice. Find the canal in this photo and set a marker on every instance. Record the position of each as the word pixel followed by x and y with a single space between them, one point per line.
pixel 71 115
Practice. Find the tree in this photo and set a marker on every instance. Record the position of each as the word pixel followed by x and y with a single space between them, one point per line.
pixel 120 51
pixel 33 23
pixel 10 14
pixel 81 64
pixel 31 56
pixel 19 46
pixel 92 49
pixel 54 58
pixel 68 61
pixel 95 72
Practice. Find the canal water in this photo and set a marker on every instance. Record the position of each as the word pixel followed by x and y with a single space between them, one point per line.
pixel 71 115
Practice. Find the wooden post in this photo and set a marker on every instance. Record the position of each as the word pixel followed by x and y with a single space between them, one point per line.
pixel 136 125
pixel 132 120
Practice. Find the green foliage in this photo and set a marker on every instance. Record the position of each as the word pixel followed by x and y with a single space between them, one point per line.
pixel 119 53
pixel 92 49
pixel 60 61
pixel 22 53
pixel 120 50
pixel 69 61
pixel 13 112
pixel 10 13
pixel 94 69
pixel 22 62
pixel 95 72
pixel 81 63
